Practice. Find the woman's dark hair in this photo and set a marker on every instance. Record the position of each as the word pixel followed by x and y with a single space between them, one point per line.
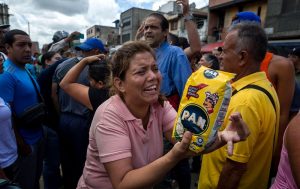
pixel 47 56
pixel 100 71
pixel 9 37
pixel 172 38
pixel 213 60
pixel 183 42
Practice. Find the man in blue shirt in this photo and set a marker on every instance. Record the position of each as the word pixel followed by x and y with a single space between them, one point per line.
pixel 74 121
pixel 175 70
pixel 19 89
pixel 172 61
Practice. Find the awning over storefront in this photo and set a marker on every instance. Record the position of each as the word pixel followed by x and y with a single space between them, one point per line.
pixel 209 47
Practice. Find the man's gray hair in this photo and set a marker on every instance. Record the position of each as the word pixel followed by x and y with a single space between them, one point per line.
pixel 252 38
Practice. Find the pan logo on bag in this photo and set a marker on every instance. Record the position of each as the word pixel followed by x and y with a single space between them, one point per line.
pixel 194 119
pixel 210 74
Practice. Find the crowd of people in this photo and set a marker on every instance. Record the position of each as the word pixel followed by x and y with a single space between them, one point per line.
pixel 85 118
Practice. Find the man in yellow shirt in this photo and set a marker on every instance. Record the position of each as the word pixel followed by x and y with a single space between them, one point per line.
pixel 244 49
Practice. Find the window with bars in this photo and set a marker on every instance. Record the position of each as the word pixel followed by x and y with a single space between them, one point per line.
pixel 174 25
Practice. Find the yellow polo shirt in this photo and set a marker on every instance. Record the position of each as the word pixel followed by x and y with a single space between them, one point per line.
pixel 257 111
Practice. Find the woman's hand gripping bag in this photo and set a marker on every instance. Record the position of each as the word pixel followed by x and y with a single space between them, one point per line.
pixel 203 106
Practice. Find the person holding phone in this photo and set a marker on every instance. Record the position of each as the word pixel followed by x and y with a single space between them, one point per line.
pixel 64 41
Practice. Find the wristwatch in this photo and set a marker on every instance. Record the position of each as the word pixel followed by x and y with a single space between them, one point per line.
pixel 188 17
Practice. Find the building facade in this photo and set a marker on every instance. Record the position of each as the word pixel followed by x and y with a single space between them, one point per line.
pixel 176 21
pixel 280 19
pixel 130 21
pixel 221 13
pixel 4 16
pixel 171 7
pixel 108 35
pixel 283 20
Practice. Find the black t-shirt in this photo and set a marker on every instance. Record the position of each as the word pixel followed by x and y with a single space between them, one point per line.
pixel 45 82
pixel 97 97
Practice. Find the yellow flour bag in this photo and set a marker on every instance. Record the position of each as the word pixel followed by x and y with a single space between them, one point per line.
pixel 203 107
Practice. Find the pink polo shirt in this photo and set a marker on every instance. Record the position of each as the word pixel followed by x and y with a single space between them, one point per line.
pixel 116 134
pixel 284 177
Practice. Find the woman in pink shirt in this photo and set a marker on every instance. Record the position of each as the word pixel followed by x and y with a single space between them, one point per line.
pixel 288 175
pixel 126 136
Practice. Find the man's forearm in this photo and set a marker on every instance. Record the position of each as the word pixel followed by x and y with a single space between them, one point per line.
pixel 193 36
pixel 231 174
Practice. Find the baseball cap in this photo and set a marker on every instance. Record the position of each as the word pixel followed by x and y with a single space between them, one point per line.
pixel 90 44
pixel 245 16
pixel 295 51
pixel 59 35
